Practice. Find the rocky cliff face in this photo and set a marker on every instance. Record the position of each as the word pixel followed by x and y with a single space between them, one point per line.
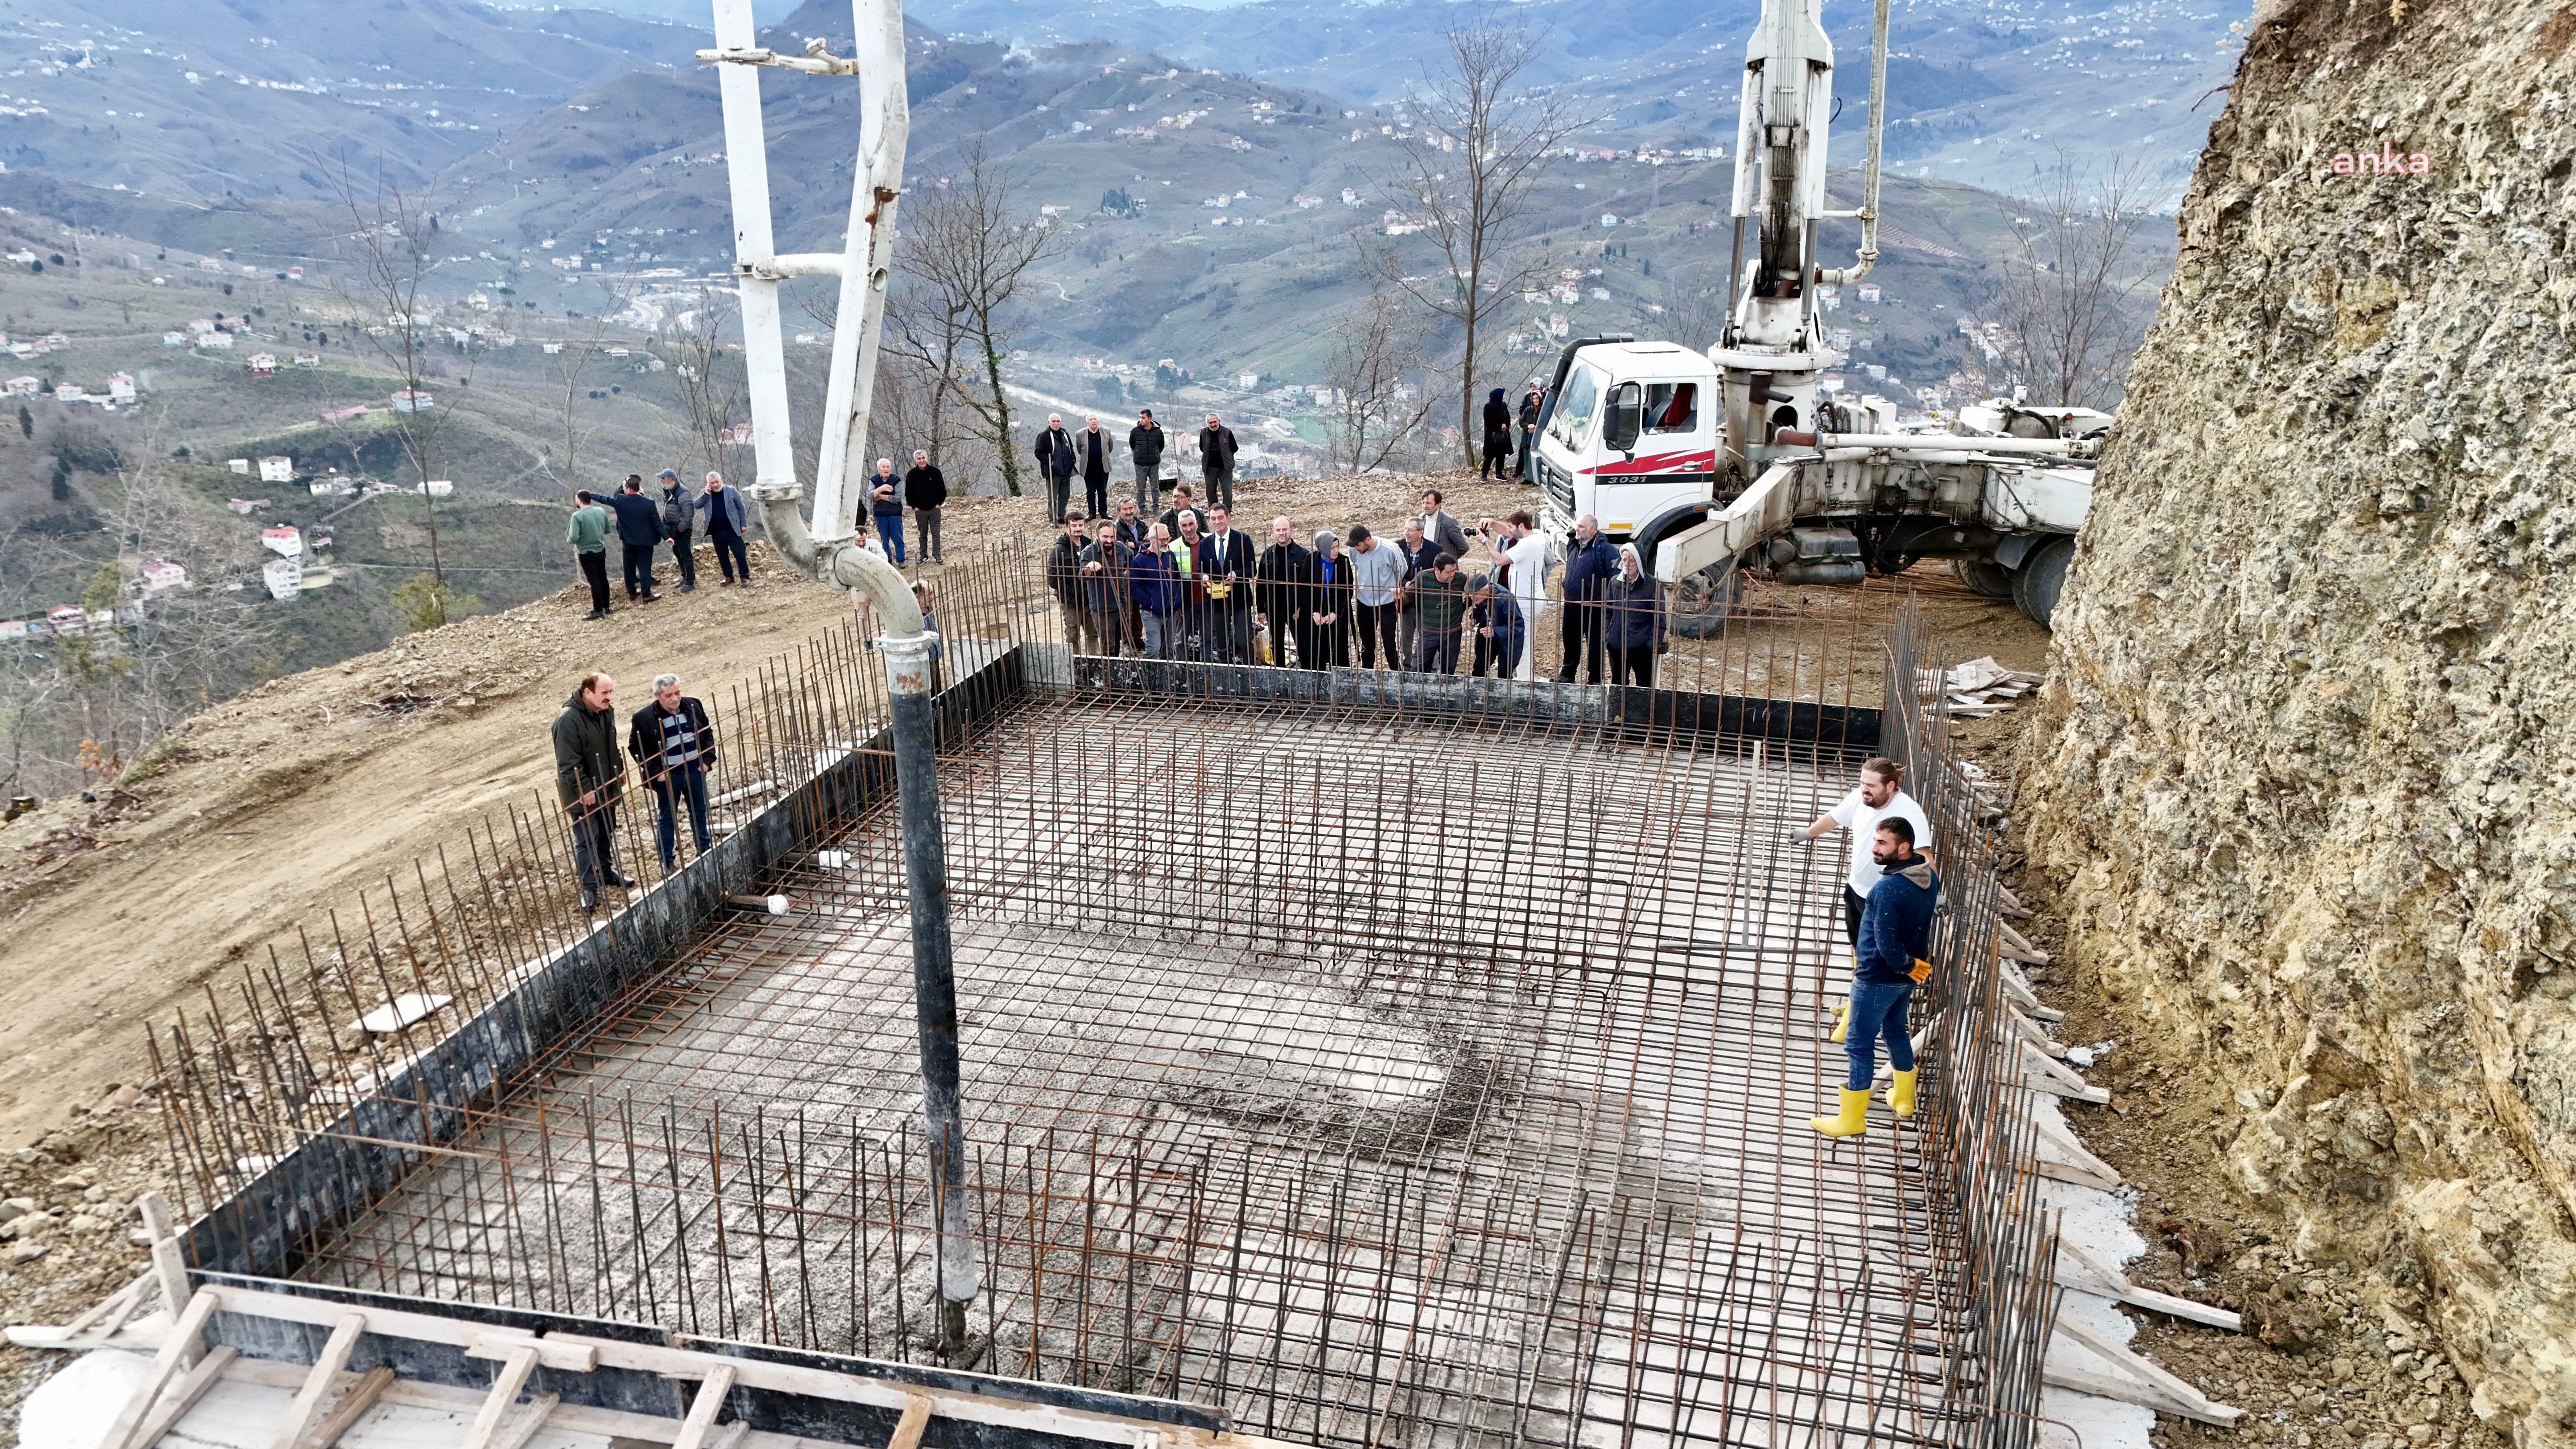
pixel 2310 771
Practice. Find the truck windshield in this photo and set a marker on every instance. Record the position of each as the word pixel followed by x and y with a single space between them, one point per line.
pixel 1574 410
pixel 1672 407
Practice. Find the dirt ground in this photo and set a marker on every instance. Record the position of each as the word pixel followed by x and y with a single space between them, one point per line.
pixel 282 803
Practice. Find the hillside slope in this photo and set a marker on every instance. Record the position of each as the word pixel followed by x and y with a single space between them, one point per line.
pixel 2306 795
pixel 278 805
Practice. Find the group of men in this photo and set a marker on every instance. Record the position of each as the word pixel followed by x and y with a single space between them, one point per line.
pixel 1066 454
pixel 1189 584
pixel 643 523
pixel 673 743
pixel 1889 895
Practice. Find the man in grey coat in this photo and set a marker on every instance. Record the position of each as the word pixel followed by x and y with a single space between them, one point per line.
pixel 590 774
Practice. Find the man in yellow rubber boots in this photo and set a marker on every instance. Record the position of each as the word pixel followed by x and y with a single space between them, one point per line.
pixel 1879 794
pixel 1895 939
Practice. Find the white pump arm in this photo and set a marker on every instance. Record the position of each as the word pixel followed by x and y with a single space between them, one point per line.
pixel 864 266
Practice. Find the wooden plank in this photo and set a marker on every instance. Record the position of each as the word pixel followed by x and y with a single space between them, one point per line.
pixel 2048 1076
pixel 2115 1285
pixel 907 1430
pixel 362 1396
pixel 2196 1405
pixel 528 1421
pixel 165 1366
pixel 48 1335
pixel 2020 944
pixel 704 1408
pixel 505 1393
pixel 327 1365
pixel 178 1401
pixel 91 1315
pixel 2076 1152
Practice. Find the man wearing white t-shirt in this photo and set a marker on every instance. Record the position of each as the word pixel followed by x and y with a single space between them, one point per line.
pixel 1876 798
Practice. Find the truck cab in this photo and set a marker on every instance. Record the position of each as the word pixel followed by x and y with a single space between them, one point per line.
pixel 1630 435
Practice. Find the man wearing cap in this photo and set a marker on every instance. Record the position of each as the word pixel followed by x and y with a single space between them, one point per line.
pixel 679 517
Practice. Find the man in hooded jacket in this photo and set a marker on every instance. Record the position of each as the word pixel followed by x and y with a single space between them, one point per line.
pixel 1498 437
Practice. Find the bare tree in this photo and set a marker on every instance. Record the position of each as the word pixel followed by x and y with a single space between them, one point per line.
pixel 386 256
pixel 568 367
pixel 1378 395
pixel 1694 309
pixel 708 376
pixel 2068 301
pixel 965 249
pixel 1476 141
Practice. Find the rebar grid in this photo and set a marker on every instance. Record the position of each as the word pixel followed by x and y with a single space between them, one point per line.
pixel 1360 1090
pixel 1380 1077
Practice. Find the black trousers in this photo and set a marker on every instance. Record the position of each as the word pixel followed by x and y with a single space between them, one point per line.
pixel 1095 497
pixel 594 567
pixel 731 556
pixel 1636 665
pixel 1578 632
pixel 1497 460
pixel 686 557
pixel 1375 626
pixel 594 840
pixel 1853 906
pixel 639 569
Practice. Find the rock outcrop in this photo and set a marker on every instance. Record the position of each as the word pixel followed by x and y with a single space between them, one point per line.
pixel 2310 761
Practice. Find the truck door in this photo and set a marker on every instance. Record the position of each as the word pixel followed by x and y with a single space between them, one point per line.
pixel 1657 451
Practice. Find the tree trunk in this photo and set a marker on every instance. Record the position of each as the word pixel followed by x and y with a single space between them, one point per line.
pixel 1002 444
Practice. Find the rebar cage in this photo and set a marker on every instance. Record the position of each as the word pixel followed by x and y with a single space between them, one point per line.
pixel 1373 1059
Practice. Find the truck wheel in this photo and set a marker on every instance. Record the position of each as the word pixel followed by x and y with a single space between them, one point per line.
pixel 2042 578
pixel 1983 576
pixel 1698 605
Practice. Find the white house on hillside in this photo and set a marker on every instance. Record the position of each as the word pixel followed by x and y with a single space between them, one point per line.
pixel 277 468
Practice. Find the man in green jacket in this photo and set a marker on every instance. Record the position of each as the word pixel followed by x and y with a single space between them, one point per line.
pixel 589 776
pixel 589 539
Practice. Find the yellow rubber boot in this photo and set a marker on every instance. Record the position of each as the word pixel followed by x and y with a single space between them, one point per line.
pixel 1842 1021
pixel 1853 1121
pixel 1900 1093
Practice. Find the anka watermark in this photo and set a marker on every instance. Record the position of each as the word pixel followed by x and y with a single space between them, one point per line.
pixel 2386 161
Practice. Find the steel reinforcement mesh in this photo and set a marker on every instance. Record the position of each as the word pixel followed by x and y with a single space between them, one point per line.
pixel 1377 1079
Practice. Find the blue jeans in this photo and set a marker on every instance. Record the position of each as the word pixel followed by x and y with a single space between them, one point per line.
pixel 690 785
pixel 890 533
pixel 1877 1011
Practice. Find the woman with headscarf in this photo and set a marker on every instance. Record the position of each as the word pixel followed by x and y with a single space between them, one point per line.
pixel 1632 620
pixel 1330 604
pixel 1498 436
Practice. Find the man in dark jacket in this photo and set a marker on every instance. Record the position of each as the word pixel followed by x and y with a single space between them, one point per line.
pixel 1091 448
pixel 674 746
pixel 926 489
pixel 1417 552
pixel 589 776
pixel 639 527
pixel 1104 588
pixel 1590 562
pixel 1285 600
pixel 1217 448
pixel 1895 947
pixel 1498 437
pixel 1225 568
pixel 1501 633
pixel 679 520
pixel 1064 579
pixel 1145 450
pixel 1054 450
pixel 1160 595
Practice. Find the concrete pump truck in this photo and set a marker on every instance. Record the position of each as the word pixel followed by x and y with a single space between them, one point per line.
pixel 1739 461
